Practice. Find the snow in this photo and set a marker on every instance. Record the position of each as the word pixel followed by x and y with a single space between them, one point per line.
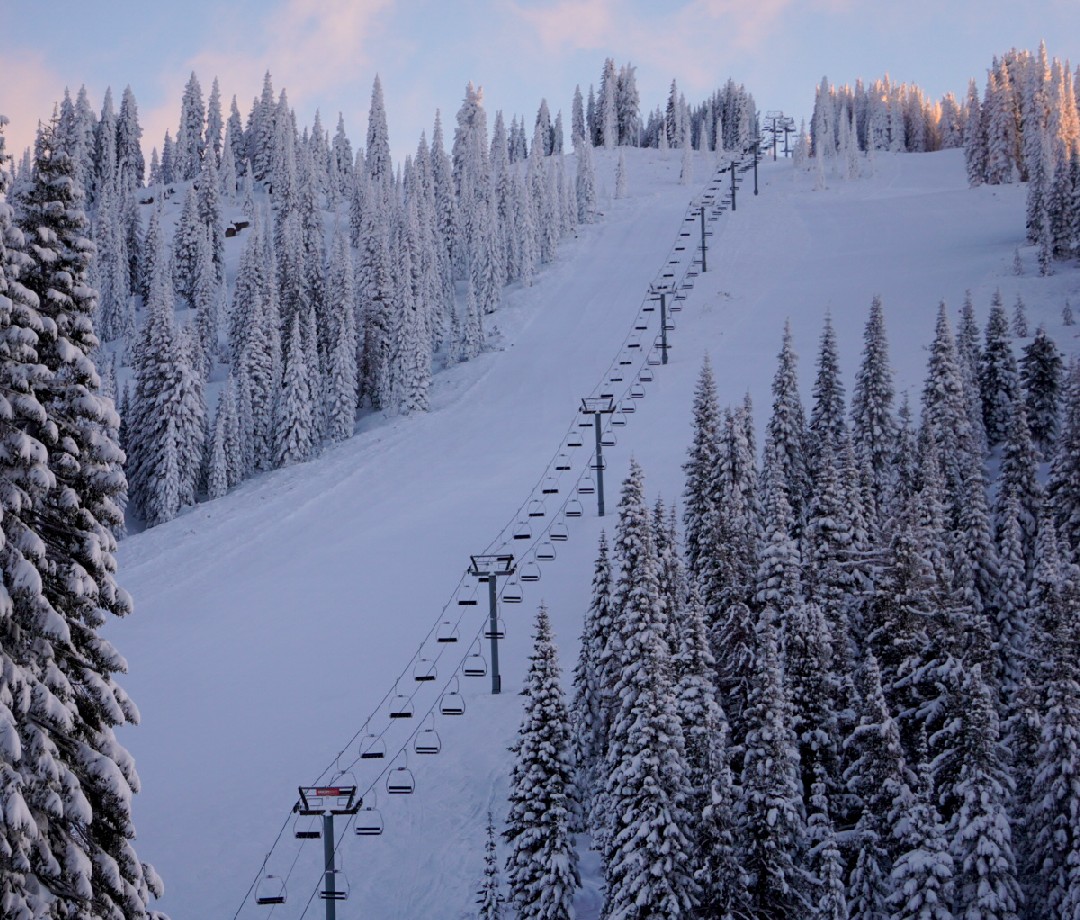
pixel 271 626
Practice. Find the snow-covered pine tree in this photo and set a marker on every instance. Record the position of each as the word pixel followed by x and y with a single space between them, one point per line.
pixel 771 820
pixel 190 142
pixel 778 577
pixel 827 426
pixel 998 380
pixel 1063 487
pixel 542 868
pixel 591 707
pixel 828 897
pixel 472 326
pixel 786 439
pixel 294 428
pixel 700 463
pixel 921 880
pixel 1019 319
pixel 489 898
pixel 1040 378
pixel 586 185
pixel 647 858
pixel 342 380
pixel 78 515
pixel 979 832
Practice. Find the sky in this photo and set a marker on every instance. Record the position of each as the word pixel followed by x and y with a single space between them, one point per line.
pixel 325 53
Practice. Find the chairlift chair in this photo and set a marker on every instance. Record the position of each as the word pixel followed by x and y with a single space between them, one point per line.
pixel 574 439
pixel 646 376
pixel 637 391
pixel 635 342
pixel 627 407
pixel 625 359
pixel 500 629
pixel 425 670
pixel 427 740
pixel 573 509
pixel 530 572
pixel 308 827
pixel 654 358
pixel 447 632
pixel 562 463
pixel 608 439
pixel 550 486
pixel 545 552
pixel 467 595
pixel 372 747
pixel 587 486
pixel 618 418
pixel 475 665
pixel 401 707
pixel 559 533
pixel 536 508
pixel 400 781
pixel 522 531
pixel 271 890
pixel 511 592
pixel 369 821
pixel 452 703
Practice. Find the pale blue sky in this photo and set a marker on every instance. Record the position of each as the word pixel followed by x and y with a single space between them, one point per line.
pixel 325 53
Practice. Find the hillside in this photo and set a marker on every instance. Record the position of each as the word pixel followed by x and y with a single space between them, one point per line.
pixel 270 624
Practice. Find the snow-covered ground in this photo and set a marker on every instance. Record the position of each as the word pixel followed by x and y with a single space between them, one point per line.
pixel 271 625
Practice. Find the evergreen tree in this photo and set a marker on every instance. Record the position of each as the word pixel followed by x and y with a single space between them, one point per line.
pixel 1019 321
pixel 190 141
pixel 586 185
pixel 542 867
pixel 1063 487
pixel 771 821
pixel 998 374
pixel 294 428
pixel 647 858
pixel 77 516
pixel 342 372
pixel 701 460
pixel 620 176
pixel 489 899
pixel 873 426
pixel 130 163
pixel 1040 378
pixel 828 897
pixel 786 440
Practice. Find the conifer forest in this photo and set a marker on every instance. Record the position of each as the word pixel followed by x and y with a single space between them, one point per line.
pixel 759 637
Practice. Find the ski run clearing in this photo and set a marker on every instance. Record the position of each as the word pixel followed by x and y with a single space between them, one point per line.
pixel 272 625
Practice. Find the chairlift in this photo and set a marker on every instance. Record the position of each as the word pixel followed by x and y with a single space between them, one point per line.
pixel 500 629
pixel 562 463
pixel 536 508
pixel 608 439
pixel 427 740
pixel 573 509
pixel 400 781
pixel 550 486
pixel 424 670
pixel 670 324
pixel 369 821
pixel 545 552
pixel 646 376
pixel 598 464
pixel 522 531
pixel 654 358
pixel 308 827
pixel 558 533
pixel 627 407
pixel 587 486
pixel 447 632
pixel 637 391
pixel 625 360
pixel 641 324
pixel 452 703
pixel 511 592
pixel 475 665
pixel 574 439
pixel 372 747
pixel 635 342
pixel 467 595
pixel 616 376
pixel 618 418
pixel 401 707
pixel 530 572
pixel 271 890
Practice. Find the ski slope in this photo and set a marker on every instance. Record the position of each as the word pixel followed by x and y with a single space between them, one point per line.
pixel 271 624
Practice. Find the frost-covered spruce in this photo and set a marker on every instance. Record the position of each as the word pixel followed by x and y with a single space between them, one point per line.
pixel 998 379
pixel 699 464
pixel 786 440
pixel 342 378
pixel 771 820
pixel 591 707
pixel 190 142
pixel 986 880
pixel 921 880
pixel 585 185
pixel 1041 380
pixel 294 429
pixel 489 898
pixel 1019 475
pixel 1063 486
pixel 827 426
pixel 77 523
pixel 778 576
pixel 542 869
pixel 647 857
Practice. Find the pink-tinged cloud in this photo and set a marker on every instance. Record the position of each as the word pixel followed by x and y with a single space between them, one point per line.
pixel 572 24
pixel 34 88
pixel 309 47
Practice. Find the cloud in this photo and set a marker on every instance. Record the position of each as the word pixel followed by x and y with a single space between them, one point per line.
pixel 311 47
pixel 38 87
pixel 580 25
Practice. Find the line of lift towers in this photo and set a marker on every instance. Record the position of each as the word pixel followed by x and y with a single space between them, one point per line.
pixel 318 806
